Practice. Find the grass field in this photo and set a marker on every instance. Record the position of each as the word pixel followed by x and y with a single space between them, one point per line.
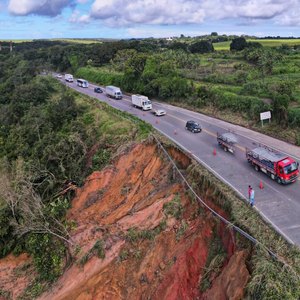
pixel 79 41
pixel 265 43
pixel 15 41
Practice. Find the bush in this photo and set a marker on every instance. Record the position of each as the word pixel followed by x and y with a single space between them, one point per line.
pixel 100 76
pixel 294 117
pixel 257 88
pixel 101 159
pixel 238 44
pixel 47 254
pixel 201 47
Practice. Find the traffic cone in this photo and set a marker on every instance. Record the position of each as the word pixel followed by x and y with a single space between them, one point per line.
pixel 261 186
pixel 215 152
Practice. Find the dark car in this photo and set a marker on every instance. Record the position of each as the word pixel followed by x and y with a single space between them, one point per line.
pixel 98 90
pixel 193 126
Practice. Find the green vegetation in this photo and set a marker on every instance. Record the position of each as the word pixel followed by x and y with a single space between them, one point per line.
pixel 35 289
pixel 133 235
pixel 49 137
pixel 174 208
pixel 182 229
pixel 102 76
pixel 214 262
pixel 264 42
pixel 98 249
pixel 259 75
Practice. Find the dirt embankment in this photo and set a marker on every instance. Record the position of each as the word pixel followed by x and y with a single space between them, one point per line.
pixel 152 239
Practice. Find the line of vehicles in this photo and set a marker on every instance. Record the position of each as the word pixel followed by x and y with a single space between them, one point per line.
pixel 138 101
pixel 277 166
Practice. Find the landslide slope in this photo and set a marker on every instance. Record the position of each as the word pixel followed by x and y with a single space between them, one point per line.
pixel 139 235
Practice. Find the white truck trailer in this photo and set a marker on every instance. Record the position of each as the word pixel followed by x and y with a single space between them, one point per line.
pixel 69 77
pixel 141 102
pixel 113 92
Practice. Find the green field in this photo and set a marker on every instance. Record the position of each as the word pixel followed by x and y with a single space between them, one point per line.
pixel 265 43
pixel 16 41
pixel 79 41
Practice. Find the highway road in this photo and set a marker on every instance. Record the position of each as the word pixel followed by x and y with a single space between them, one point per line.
pixel 278 204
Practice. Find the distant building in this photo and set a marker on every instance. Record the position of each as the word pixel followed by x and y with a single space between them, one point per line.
pixel 169 39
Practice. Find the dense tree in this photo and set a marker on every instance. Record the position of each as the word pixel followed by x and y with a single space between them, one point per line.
pixel 238 44
pixel 201 47
pixel 178 46
pixel 280 109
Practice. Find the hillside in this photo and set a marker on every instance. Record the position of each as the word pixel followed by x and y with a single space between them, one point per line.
pixel 139 235
pixel 137 232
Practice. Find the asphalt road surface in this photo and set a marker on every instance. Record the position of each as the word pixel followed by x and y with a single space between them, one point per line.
pixel 278 204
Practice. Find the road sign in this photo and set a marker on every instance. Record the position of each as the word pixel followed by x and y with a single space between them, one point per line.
pixel 264 116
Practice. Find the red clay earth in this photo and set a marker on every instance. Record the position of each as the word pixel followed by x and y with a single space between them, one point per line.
pixel 131 194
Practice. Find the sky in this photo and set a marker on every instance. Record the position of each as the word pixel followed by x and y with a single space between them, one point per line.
pixel 36 19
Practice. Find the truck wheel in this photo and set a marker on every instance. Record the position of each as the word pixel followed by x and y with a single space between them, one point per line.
pixel 279 180
pixel 256 167
pixel 225 149
pixel 272 176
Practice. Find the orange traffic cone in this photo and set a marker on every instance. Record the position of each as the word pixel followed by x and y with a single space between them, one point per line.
pixel 261 186
pixel 215 152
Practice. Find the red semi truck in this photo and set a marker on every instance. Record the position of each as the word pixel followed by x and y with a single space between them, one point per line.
pixel 278 166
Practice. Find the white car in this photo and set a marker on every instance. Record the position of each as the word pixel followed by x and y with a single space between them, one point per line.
pixel 58 76
pixel 159 112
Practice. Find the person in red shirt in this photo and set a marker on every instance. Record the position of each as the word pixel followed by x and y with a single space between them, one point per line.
pixel 249 192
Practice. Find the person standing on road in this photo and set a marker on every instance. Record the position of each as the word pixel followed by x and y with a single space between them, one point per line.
pixel 249 192
pixel 252 195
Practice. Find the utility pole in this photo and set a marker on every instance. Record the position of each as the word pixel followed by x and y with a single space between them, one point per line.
pixel 10 46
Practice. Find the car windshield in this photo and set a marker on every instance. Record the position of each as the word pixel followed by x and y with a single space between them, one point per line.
pixel 196 124
pixel 290 168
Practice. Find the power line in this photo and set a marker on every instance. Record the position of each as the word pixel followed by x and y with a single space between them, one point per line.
pixel 242 232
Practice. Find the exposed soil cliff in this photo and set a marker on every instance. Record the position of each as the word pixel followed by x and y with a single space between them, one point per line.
pixel 142 237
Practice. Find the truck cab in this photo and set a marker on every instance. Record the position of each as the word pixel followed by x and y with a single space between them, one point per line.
pixel 287 170
pixel 278 166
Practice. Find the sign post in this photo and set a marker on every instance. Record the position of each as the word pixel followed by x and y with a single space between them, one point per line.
pixel 264 116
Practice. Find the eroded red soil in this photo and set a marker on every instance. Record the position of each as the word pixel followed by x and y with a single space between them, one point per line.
pixel 168 261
